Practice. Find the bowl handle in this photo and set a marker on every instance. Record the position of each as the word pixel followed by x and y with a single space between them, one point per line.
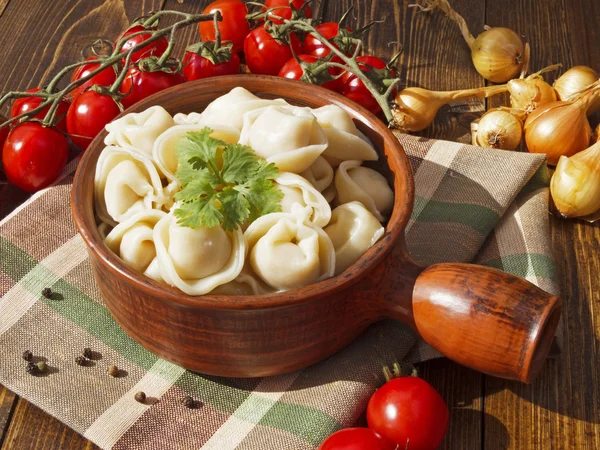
pixel 480 317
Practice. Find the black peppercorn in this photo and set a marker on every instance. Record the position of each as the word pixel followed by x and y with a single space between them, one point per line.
pixel 27 355
pixel 42 366
pixel 47 293
pixel 113 371
pixel 80 361
pixel 140 397
pixel 190 403
pixel 32 368
pixel 87 352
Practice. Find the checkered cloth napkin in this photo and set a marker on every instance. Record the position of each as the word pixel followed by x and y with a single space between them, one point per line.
pixel 471 204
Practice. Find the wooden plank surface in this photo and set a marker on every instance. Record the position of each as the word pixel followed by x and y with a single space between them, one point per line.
pixel 559 410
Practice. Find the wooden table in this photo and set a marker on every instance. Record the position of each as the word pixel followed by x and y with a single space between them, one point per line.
pixel 561 409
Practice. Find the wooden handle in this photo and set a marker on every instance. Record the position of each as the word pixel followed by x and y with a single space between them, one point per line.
pixel 485 319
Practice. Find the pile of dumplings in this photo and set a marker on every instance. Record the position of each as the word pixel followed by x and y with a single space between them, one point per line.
pixel 319 154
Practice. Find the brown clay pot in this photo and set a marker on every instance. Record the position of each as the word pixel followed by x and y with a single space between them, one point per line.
pixel 480 317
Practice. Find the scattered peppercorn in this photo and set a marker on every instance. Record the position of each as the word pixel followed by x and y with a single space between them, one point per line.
pixel 47 293
pixel 88 353
pixel 80 361
pixel 42 366
pixel 190 403
pixel 113 371
pixel 32 368
pixel 27 355
pixel 140 397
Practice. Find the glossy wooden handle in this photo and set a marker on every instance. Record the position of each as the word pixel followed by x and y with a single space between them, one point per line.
pixel 485 319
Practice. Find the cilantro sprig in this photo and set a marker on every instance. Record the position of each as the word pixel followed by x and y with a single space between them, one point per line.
pixel 222 184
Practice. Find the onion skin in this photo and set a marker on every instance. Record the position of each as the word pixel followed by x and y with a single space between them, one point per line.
pixel 528 94
pixel 497 54
pixel 574 81
pixel 575 185
pixel 558 129
pixel 499 129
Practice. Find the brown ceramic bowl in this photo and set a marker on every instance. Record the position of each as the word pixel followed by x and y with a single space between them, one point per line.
pixel 480 317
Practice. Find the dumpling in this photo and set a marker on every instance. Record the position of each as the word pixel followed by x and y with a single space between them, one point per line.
pixel 133 242
pixel 138 131
pixel 329 193
pixel 187 119
pixel 356 183
pixel 320 174
pixel 286 251
pixel 287 136
pixel 197 260
pixel 230 108
pixel 346 142
pixel 164 147
pixel 126 182
pixel 245 284
pixel 297 190
pixel 352 230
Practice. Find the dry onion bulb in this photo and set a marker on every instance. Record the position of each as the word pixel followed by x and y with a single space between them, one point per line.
pixel 574 80
pixel 575 185
pixel 500 129
pixel 498 53
pixel 415 108
pixel 560 128
pixel 526 94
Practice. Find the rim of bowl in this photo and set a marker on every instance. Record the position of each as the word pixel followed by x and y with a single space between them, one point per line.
pixel 396 159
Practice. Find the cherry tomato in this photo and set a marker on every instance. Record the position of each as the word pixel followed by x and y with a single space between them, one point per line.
pixel 234 27
pixel 22 105
pixel 354 88
pixel 196 66
pixel 357 439
pixel 285 12
pixel 87 116
pixel 157 48
pixel 34 155
pixel 104 78
pixel 139 84
pixel 266 55
pixel 409 410
pixel 294 71
pixel 314 47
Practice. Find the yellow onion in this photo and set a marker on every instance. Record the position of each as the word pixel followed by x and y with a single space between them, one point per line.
pixel 500 129
pixel 596 134
pixel 415 108
pixel 575 185
pixel 574 80
pixel 497 53
pixel 560 128
pixel 526 94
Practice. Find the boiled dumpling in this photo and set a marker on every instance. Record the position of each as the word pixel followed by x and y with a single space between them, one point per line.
pixel 320 174
pixel 245 284
pixel 286 251
pixel 164 147
pixel 138 131
pixel 132 240
pixel 356 183
pixel 297 190
pixel 230 108
pixel 346 142
pixel 187 119
pixel 329 194
pixel 197 260
pixel 352 230
pixel 126 182
pixel 287 136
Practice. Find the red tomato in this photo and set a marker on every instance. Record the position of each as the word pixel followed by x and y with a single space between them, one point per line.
pixel 285 12
pixel 409 410
pixel 196 66
pixel 354 88
pixel 34 155
pixel 314 47
pixel 264 54
pixel 87 116
pixel 357 439
pixel 22 105
pixel 157 48
pixel 105 78
pixel 294 71
pixel 234 27
pixel 139 84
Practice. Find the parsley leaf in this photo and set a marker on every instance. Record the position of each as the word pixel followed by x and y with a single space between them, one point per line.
pixel 222 184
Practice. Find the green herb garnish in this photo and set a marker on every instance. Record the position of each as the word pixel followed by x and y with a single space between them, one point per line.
pixel 222 184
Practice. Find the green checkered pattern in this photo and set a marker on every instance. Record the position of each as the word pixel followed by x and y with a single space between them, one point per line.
pixel 471 204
